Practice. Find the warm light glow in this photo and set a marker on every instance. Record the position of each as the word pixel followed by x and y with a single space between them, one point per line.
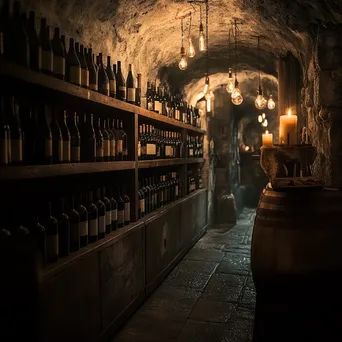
pixel 209 105
pixel 237 100
pixel 192 51
pixel 246 148
pixel 183 64
pixel 271 103
pixel 289 112
pixel 260 102
pixel 236 92
pixel 263 115
pixel 230 85
pixel 206 86
pixel 266 131
pixel 265 123
pixel 260 118
pixel 202 41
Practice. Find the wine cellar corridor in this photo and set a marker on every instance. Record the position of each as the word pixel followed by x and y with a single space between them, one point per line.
pixel 170 170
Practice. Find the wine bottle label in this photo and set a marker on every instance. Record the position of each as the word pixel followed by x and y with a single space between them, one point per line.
pixel 127 211
pixel 102 224
pixel 191 152
pixel 108 218
pixel 75 154
pixel 47 60
pixel 16 150
pixel 176 190
pixel 142 205
pixel 131 94
pixel 59 65
pixel 112 148
pixel 158 107
pixel 151 149
pixel 139 149
pixel 121 216
pixel 52 246
pixel 93 227
pixel 112 86
pixel 48 147
pixel 119 146
pixel 75 75
pixel 85 78
pixel 99 151
pixel 114 215
pixel 184 117
pixel 84 228
pixel 150 105
pixel 66 151
pixel 177 114
pixel 122 93
pixel 105 88
pixel 4 151
pixel 60 151
pixel 106 148
pixel 93 87
pixel 168 151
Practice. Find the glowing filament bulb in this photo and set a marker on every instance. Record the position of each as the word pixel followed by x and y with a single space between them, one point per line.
pixel 183 64
pixel 246 148
pixel 237 100
pixel 260 101
pixel 271 103
pixel 263 115
pixel 265 123
pixel 230 85
pixel 192 51
pixel 260 118
pixel 201 39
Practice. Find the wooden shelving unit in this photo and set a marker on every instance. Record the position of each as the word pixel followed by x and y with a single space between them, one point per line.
pixel 145 164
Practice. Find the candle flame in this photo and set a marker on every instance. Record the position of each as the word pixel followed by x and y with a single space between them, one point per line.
pixel 266 131
pixel 289 112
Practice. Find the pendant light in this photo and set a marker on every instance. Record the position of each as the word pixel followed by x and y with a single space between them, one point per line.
pixel 183 64
pixel 201 41
pixel 260 102
pixel 230 85
pixel 271 103
pixel 192 51
pixel 236 96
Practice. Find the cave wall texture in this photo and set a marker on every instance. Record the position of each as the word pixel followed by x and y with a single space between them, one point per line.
pixel 147 34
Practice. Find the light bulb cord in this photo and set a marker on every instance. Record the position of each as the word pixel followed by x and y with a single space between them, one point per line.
pixel 182 33
pixel 236 66
pixel 190 19
pixel 207 34
pixel 259 62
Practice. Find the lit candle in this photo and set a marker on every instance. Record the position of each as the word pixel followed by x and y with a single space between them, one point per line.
pixel 267 139
pixel 288 129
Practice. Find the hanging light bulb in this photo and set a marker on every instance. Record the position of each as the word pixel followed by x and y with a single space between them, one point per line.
pixel 265 123
pixel 192 51
pixel 237 100
pixel 183 64
pixel 230 85
pixel 271 103
pixel 236 92
pixel 206 86
pixel 208 105
pixel 260 101
pixel 260 118
pixel 201 39
pixel 263 115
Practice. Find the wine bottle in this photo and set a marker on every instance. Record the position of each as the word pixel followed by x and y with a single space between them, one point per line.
pixel 138 91
pixel 112 140
pixel 75 141
pixel 119 142
pixel 58 56
pixel 35 46
pixel 111 77
pixel 103 78
pixel 139 142
pixel 57 140
pixel 65 49
pixel 16 138
pixel 114 70
pixel 108 206
pixel 93 76
pixel 124 142
pixel 127 214
pixel 66 139
pixel 73 65
pixel 75 226
pixel 149 97
pixel 4 134
pixel 99 142
pixel 130 86
pixel 114 207
pixel 101 214
pixel 92 218
pixel 141 207
pixel 20 42
pixel 121 209
pixel 106 142
pixel 120 84
pixel 88 141
pixel 47 53
pixel 83 213
pixel 63 230
pixel 84 69
pixel 43 136
pixel 51 229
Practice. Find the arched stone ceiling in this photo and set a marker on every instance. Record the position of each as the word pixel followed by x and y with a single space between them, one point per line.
pixel 146 33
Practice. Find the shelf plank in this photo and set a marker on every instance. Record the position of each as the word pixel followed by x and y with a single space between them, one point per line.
pixel 32 77
pixel 43 171
pixel 145 164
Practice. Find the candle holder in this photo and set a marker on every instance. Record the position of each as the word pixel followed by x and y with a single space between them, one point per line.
pixel 289 166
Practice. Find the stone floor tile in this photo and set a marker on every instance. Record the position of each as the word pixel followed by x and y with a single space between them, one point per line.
pixel 244 312
pixel 212 311
pixel 240 330
pixel 249 298
pixel 235 264
pixel 200 254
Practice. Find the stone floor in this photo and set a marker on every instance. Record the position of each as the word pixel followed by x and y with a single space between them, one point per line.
pixel 209 296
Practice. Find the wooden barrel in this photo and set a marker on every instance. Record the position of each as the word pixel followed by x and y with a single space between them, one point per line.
pixel 296 262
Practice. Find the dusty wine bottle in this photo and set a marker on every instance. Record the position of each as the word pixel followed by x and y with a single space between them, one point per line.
pixel 58 56
pixel 73 65
pixel 130 86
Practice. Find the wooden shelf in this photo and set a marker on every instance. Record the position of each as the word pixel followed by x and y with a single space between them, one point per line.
pixel 39 79
pixel 145 164
pixel 43 171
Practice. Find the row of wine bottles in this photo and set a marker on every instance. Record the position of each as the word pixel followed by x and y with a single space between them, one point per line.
pixel 24 46
pixel 161 100
pixel 194 181
pixel 41 134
